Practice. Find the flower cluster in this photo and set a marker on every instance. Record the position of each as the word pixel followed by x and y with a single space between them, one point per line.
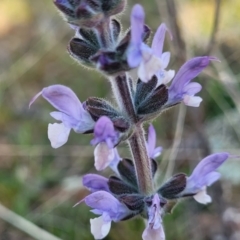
pixel 152 61
pixel 118 198
pixel 99 43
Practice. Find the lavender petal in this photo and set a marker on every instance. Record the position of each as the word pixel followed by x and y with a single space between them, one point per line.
pixel 153 152
pixel 154 229
pixel 103 156
pixel 158 40
pixel 104 202
pixel 104 132
pixel 205 173
pixel 114 163
pixel 209 165
pixel 83 124
pixel 187 72
pixel 58 134
pixel 99 227
pixel 165 59
pixel 151 141
pixel 95 182
pixel 64 100
pixel 192 88
pixel 137 30
pixel 153 234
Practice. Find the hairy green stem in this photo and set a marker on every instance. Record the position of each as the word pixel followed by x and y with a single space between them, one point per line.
pixel 137 143
pixel 141 161
pixel 122 93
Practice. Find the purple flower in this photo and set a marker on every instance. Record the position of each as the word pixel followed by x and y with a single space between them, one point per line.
pixel 204 175
pixel 153 151
pixel 94 182
pixel 104 132
pixel 70 112
pixel 118 198
pixel 151 61
pixel 110 209
pixel 106 138
pixel 181 89
pixel 154 229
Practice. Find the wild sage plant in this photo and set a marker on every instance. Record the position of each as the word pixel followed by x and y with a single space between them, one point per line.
pixel 101 44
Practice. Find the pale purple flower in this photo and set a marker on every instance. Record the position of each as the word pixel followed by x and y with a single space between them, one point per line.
pixel 109 209
pixel 151 61
pixel 95 182
pixel 127 202
pixel 105 137
pixel 104 132
pixel 70 112
pixel 181 89
pixel 153 151
pixel 154 229
pixel 204 175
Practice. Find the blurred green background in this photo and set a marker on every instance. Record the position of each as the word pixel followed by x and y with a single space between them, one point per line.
pixel 42 184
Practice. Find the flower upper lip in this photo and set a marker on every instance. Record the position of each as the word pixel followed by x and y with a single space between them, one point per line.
pixel 70 112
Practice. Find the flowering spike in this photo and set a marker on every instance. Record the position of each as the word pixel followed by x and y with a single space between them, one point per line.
pixel 99 43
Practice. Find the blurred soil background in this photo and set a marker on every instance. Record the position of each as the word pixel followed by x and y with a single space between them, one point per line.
pixel 41 184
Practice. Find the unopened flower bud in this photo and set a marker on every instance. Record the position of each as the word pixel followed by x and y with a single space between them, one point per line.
pixel 89 13
pixel 113 7
pixel 87 42
pixel 114 61
pixel 81 50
